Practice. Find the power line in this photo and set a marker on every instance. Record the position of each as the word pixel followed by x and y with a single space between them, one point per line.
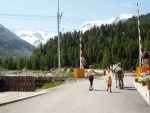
pixel 28 18
pixel 64 20
pixel 42 18
pixel 38 17
pixel 21 15
pixel 19 29
pixel 74 19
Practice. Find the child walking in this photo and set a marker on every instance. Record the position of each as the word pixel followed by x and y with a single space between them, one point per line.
pixel 109 83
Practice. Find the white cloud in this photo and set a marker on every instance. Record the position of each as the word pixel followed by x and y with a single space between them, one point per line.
pixel 35 37
pixel 128 4
pixel 99 22
pixel 89 24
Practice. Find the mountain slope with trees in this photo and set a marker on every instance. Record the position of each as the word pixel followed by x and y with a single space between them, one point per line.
pixel 101 46
pixel 12 45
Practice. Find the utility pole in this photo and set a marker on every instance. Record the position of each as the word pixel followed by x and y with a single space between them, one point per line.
pixel 58 22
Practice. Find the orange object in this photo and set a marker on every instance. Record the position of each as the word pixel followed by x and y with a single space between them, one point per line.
pixel 139 70
pixel 147 70
pixel 79 73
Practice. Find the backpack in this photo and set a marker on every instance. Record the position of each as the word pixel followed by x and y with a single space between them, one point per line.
pixel 119 70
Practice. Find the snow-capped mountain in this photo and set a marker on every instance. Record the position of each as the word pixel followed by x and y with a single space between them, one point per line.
pixel 34 37
pixel 122 17
pixel 89 24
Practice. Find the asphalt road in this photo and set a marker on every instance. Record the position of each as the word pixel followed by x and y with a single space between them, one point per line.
pixel 74 97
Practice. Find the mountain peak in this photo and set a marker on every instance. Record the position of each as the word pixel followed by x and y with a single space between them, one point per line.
pixel 127 16
pixel 122 17
pixel 89 24
pixel 34 37
pixel 12 45
pixel 1 26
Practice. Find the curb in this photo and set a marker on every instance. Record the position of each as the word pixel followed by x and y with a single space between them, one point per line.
pixel 40 92
pixel 23 98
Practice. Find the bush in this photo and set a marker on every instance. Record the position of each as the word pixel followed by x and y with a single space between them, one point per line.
pixel 148 78
pixel 143 80
pixel 71 69
pixel 65 69
pixel 70 74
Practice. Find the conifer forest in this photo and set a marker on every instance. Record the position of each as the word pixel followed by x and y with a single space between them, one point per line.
pixel 101 46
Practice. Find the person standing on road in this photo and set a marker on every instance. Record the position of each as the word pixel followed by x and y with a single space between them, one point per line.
pixel 120 74
pixel 115 73
pixel 109 83
pixel 90 75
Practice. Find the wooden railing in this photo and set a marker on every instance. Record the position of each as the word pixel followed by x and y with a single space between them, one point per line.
pixel 19 83
pixel 24 83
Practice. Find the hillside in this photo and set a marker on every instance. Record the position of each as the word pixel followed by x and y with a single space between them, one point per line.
pixel 100 46
pixel 12 45
pixel 37 37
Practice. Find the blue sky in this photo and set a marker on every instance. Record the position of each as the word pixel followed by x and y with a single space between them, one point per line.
pixel 19 15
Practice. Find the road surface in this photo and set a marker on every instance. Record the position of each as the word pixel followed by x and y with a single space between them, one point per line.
pixel 74 97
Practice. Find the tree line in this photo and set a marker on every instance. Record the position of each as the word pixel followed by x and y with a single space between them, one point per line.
pixel 101 46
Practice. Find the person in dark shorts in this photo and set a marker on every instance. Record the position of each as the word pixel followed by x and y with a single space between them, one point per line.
pixel 91 74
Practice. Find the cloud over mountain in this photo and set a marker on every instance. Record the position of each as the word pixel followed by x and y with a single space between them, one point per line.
pixel 35 37
pixel 89 24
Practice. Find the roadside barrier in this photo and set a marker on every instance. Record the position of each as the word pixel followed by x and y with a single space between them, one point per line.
pixel 24 83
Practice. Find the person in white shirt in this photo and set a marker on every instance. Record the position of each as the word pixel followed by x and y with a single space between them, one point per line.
pixel 91 74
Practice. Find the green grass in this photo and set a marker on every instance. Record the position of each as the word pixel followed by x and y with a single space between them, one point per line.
pixel 2 74
pixel 52 84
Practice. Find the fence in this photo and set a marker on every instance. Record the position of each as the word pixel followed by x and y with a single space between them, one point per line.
pixel 18 83
pixel 24 83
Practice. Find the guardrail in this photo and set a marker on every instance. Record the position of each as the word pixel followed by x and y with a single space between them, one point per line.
pixel 24 83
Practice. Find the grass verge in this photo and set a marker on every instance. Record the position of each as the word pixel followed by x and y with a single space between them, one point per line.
pixel 51 84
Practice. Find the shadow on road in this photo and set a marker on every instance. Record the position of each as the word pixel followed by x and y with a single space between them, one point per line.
pixel 116 92
pixel 105 90
pixel 98 90
pixel 130 88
